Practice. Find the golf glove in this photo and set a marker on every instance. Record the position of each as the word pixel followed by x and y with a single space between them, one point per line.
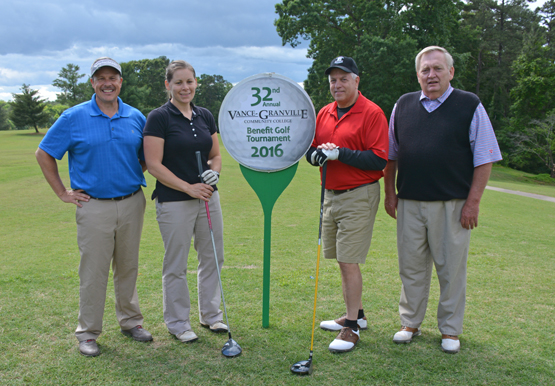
pixel 332 154
pixel 318 157
pixel 210 177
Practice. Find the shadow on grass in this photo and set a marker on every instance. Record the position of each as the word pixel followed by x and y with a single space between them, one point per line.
pixel 39 134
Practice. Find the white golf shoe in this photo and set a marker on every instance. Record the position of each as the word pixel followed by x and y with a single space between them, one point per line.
pixel 346 340
pixel 338 324
pixel 405 334
pixel 187 336
pixel 449 345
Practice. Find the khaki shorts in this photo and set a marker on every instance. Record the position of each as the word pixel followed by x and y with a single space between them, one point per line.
pixel 348 222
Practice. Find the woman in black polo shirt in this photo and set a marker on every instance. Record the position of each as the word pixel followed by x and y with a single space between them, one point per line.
pixel 173 134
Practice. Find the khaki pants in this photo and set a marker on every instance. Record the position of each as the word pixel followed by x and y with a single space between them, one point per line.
pixel 348 223
pixel 109 232
pixel 179 221
pixel 431 233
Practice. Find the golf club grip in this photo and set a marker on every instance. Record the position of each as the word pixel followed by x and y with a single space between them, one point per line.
pixel 322 194
pixel 199 164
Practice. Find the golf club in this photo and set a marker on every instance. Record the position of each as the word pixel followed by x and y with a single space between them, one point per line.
pixel 231 348
pixel 305 367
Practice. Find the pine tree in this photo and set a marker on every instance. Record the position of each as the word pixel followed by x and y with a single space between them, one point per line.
pixel 73 92
pixel 28 109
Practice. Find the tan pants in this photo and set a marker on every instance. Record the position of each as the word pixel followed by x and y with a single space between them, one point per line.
pixel 431 233
pixel 179 221
pixel 348 223
pixel 109 232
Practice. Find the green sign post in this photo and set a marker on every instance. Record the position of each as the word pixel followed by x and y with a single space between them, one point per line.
pixel 267 123
pixel 268 187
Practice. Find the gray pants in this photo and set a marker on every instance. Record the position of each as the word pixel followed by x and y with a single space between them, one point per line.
pixel 430 233
pixel 179 221
pixel 109 232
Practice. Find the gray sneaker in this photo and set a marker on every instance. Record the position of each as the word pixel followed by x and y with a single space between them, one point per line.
pixel 89 348
pixel 218 326
pixel 187 336
pixel 138 333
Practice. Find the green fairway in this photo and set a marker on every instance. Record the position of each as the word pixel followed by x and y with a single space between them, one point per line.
pixel 502 177
pixel 507 339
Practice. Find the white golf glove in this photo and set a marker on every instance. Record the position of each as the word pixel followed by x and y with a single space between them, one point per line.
pixel 332 154
pixel 210 177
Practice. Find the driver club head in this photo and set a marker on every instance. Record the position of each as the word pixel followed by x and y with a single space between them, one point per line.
pixel 231 349
pixel 302 367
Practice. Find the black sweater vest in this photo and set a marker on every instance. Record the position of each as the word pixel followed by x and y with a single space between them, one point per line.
pixel 435 162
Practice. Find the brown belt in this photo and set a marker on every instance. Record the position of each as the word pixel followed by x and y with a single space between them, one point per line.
pixel 115 198
pixel 336 192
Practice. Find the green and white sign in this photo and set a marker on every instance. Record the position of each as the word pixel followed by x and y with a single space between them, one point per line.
pixel 267 122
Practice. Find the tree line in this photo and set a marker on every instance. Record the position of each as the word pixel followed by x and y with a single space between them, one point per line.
pixel 503 51
pixel 143 88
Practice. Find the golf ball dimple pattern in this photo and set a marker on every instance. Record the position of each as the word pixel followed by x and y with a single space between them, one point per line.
pixel 276 132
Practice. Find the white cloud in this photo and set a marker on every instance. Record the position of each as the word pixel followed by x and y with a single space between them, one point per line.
pixel 276 54
pixel 8 73
pixel 45 92
pixel 232 38
pixel 233 63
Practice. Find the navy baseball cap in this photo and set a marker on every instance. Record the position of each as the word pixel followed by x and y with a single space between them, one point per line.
pixel 105 62
pixel 344 63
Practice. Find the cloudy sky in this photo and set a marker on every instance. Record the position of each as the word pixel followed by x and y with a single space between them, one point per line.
pixel 233 38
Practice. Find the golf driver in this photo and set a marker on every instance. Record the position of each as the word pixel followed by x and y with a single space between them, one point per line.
pixel 305 367
pixel 231 348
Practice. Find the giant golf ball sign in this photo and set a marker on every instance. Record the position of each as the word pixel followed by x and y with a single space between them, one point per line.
pixel 267 122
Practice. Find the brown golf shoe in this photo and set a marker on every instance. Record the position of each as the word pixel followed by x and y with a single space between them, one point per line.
pixel 346 340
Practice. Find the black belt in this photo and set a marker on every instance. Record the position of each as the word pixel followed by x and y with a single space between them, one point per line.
pixel 348 190
pixel 116 198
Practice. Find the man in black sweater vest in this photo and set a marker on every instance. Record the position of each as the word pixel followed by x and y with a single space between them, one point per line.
pixel 441 150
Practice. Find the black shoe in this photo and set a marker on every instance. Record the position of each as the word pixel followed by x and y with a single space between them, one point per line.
pixel 89 348
pixel 138 333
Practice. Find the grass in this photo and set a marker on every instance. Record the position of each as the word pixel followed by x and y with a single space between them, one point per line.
pixel 506 178
pixel 508 338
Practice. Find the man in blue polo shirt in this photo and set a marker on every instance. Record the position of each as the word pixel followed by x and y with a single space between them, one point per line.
pixel 103 139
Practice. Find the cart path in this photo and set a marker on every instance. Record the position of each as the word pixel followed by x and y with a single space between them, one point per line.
pixel 531 195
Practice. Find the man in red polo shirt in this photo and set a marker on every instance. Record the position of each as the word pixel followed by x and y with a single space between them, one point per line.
pixel 351 135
